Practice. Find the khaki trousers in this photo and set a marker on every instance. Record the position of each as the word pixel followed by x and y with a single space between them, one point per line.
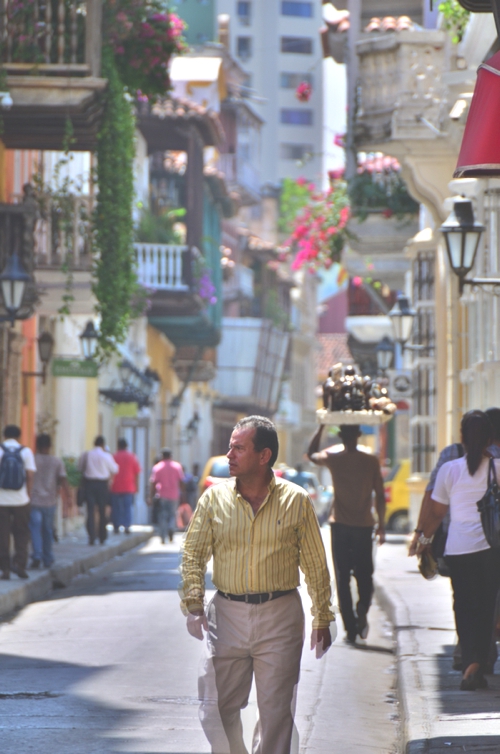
pixel 244 641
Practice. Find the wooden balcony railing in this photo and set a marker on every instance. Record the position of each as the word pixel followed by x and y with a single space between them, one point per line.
pixel 163 267
pixel 58 37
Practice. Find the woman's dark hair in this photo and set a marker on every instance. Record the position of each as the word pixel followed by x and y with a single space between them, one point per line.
pixel 265 436
pixel 476 436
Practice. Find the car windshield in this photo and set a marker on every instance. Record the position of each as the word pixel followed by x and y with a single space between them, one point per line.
pixel 220 468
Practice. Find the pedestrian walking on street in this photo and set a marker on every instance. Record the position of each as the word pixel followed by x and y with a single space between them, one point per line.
pixel 49 478
pixel 167 481
pixel 356 476
pixel 474 565
pixel 98 468
pixel 125 485
pixel 451 453
pixel 191 481
pixel 260 529
pixel 17 467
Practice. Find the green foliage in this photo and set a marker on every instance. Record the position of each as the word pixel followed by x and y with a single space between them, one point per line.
pixel 274 311
pixel 380 191
pixel 455 18
pixel 115 280
pixel 160 228
pixel 73 474
pixel 294 197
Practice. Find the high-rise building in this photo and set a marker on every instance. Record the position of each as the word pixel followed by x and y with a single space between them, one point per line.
pixel 277 43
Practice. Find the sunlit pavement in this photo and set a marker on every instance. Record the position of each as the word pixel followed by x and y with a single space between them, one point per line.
pixel 106 665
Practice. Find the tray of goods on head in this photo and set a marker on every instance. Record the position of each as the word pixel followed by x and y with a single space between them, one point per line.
pixel 349 398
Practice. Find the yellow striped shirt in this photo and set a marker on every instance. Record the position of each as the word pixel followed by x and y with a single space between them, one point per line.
pixel 259 552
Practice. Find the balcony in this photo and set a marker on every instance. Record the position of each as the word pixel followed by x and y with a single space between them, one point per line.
pixel 162 266
pixel 250 363
pixel 241 176
pixel 51 52
pixel 401 94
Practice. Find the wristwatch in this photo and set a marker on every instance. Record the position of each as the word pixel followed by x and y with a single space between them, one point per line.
pixel 423 540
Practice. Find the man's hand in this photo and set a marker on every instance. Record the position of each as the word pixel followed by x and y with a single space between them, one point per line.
pixel 321 638
pixel 196 623
pixel 416 547
pixel 381 535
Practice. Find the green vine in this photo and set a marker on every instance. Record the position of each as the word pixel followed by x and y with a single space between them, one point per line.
pixel 115 280
pixel 455 18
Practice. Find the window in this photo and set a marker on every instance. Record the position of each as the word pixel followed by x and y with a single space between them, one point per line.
pixel 244 47
pixel 295 151
pixel 243 10
pixel 292 80
pixel 300 45
pixel 290 8
pixel 297 117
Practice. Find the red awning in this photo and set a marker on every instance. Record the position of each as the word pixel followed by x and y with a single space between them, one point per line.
pixel 480 150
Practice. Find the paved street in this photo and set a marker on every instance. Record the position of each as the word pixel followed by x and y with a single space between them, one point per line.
pixel 106 666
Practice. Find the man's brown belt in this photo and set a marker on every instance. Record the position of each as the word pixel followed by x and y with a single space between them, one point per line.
pixel 254 599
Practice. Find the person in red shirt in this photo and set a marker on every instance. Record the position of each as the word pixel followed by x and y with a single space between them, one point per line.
pixel 125 485
pixel 167 480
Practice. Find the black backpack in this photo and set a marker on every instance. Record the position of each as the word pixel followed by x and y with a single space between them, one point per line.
pixel 12 472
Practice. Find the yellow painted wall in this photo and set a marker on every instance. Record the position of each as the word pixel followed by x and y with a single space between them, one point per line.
pixel 92 419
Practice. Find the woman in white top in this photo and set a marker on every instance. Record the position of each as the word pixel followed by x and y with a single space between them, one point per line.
pixel 473 564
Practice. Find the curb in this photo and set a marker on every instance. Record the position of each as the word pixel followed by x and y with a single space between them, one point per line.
pixel 61 574
pixel 414 730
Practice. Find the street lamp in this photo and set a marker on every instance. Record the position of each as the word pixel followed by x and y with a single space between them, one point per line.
pixel 402 316
pixel 13 281
pixel 88 339
pixel 462 235
pixel 385 352
pixel 45 348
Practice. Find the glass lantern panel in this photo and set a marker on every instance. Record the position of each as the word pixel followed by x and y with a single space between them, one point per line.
pixel 454 241
pixel 471 241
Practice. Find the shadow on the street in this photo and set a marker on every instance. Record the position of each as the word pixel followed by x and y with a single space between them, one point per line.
pixel 374 648
pixel 477 744
pixel 452 701
pixel 136 572
pixel 40 712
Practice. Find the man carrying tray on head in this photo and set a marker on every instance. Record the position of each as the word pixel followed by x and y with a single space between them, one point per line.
pixel 355 476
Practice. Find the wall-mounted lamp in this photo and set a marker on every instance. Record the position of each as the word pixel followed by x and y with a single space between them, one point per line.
pixel 462 235
pixel 45 349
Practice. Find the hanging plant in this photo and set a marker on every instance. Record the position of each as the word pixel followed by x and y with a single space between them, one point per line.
pixel 304 91
pixel 143 38
pixel 379 186
pixel 115 283
pixel 319 229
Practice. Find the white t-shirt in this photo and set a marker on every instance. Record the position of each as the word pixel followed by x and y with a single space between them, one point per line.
pixel 461 491
pixel 17 497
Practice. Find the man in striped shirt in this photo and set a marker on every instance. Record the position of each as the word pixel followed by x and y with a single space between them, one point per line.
pixel 259 529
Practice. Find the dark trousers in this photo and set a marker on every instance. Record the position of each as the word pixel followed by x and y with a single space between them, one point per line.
pixel 97 496
pixel 352 554
pixel 475 579
pixel 15 520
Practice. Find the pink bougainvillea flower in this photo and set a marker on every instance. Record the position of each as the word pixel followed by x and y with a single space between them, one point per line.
pixel 357 281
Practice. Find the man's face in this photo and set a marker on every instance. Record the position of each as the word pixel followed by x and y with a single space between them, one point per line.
pixel 243 458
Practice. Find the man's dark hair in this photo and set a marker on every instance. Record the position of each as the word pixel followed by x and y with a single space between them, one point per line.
pixel 99 441
pixel 12 432
pixel 265 435
pixel 349 432
pixel 122 444
pixel 43 441
pixel 166 454
pixel 493 415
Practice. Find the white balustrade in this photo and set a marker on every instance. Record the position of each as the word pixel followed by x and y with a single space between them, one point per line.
pixel 159 266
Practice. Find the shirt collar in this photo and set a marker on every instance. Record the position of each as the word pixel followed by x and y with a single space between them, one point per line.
pixel 272 484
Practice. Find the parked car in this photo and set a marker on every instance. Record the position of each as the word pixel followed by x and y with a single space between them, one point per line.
pixel 321 497
pixel 216 470
pixel 397 498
